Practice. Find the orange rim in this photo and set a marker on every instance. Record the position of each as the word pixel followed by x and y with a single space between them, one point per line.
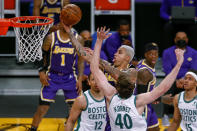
pixel 15 21
pixel 5 22
pixel 4 25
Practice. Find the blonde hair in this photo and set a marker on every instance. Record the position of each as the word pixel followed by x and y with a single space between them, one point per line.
pixel 129 50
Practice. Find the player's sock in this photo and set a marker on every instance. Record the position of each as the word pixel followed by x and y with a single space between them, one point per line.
pixel 33 128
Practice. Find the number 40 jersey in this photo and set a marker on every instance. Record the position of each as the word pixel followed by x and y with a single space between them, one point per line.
pixel 124 115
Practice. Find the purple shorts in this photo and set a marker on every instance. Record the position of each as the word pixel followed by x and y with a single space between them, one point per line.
pixel 151 117
pixel 107 127
pixel 59 81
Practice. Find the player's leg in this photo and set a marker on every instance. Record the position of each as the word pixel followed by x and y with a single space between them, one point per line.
pixel 70 94
pixel 47 96
pixel 152 120
pixel 39 114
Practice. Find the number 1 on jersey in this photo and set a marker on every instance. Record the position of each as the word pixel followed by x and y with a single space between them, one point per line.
pixel 62 60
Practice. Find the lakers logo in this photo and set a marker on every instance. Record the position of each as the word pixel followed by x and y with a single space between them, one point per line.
pixel 189 59
pixel 191 2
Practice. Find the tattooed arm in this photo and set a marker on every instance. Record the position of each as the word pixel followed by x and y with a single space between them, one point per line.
pixel 115 73
pixel 109 69
pixel 144 77
pixel 80 67
pixel 77 43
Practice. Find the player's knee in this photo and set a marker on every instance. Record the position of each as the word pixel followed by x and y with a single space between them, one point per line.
pixel 41 102
pixel 42 110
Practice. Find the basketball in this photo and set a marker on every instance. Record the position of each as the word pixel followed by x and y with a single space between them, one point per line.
pixel 71 14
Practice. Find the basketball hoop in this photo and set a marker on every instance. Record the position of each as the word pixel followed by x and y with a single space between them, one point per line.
pixel 30 32
pixel 4 25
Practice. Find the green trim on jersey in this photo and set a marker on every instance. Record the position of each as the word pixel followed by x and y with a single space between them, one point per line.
pixel 135 100
pixel 78 124
pixel 179 97
pixel 190 100
pixel 86 101
pixel 94 98
pixel 112 98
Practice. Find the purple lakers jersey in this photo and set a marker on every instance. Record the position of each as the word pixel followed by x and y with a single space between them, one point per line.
pixel 62 55
pixel 143 65
pixel 51 9
pixel 110 79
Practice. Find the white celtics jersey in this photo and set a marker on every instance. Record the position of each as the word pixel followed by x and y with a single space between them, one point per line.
pixel 93 118
pixel 124 116
pixel 188 111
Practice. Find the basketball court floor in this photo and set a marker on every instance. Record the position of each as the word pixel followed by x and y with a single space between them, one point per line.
pixel 19 93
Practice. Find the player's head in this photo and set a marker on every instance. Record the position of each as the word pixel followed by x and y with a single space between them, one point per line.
pixel 123 29
pixel 124 86
pixel 92 83
pixel 181 39
pixel 86 35
pixel 124 55
pixel 151 53
pixel 190 80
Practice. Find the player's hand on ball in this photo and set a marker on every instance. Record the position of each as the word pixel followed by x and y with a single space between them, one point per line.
pixel 67 28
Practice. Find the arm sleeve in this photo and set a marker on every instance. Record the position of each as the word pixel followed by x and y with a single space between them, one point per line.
pixel 42 65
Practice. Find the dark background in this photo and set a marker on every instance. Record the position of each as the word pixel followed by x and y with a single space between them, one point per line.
pixel 148 25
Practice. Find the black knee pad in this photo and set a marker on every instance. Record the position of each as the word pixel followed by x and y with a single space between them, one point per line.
pixel 70 103
pixel 41 102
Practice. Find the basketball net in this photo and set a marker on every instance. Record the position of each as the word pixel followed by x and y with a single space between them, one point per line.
pixel 30 39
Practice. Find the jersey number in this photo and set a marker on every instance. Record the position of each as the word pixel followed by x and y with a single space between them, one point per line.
pixel 127 122
pixel 63 60
pixel 188 127
pixel 98 125
pixel 51 15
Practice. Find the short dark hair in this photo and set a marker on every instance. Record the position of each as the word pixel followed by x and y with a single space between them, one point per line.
pixel 151 46
pixel 124 86
pixel 122 22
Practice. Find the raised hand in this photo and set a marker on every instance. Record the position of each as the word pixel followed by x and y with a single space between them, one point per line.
pixel 180 55
pixel 102 34
pixel 67 28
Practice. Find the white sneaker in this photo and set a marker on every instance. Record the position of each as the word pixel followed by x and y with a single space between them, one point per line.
pixel 165 120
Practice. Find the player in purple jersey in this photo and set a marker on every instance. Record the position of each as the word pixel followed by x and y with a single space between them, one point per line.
pixel 49 8
pixel 121 61
pixel 147 81
pixel 57 71
pixel 125 86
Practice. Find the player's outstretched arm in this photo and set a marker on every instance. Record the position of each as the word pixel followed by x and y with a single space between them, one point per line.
pixel 176 117
pixel 78 106
pixel 65 2
pixel 36 9
pixel 99 76
pixel 80 74
pixel 115 73
pixel 164 86
pixel 77 43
